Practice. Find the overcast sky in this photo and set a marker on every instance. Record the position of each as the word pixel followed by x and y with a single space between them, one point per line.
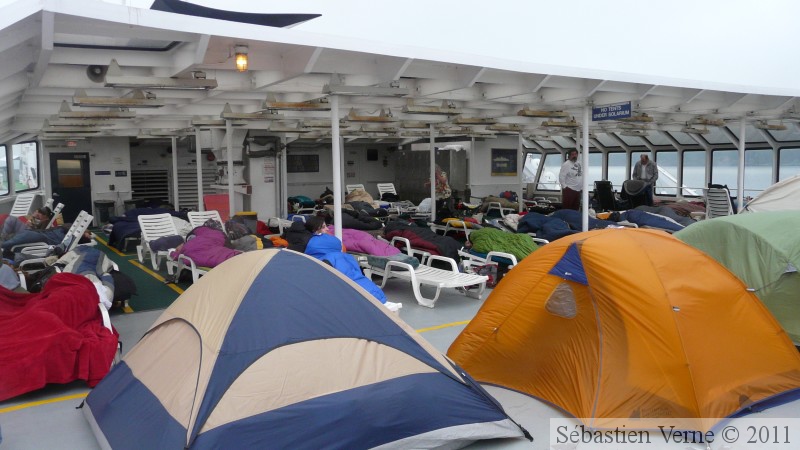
pixel 737 42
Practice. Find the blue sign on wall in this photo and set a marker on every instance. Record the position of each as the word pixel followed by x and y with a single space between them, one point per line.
pixel 611 112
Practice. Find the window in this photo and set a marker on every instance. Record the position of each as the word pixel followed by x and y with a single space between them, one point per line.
pixel 694 172
pixel 617 169
pixel 757 170
pixel 531 166
pixel 667 183
pixel 26 166
pixel 725 169
pixel 595 169
pixel 3 171
pixel 789 163
pixel 548 181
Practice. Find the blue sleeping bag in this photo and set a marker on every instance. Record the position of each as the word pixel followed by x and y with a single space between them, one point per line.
pixel 329 249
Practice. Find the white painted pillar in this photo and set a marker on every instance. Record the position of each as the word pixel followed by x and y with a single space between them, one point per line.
pixel 585 170
pixel 336 156
pixel 740 174
pixel 433 175
pixel 198 155
pixel 175 196
pixel 229 156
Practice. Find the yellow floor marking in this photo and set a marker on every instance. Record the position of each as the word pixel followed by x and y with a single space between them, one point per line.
pixel 43 402
pixel 444 325
pixel 155 275
pixel 100 240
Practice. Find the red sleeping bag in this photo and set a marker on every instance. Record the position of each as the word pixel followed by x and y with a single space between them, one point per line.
pixel 55 336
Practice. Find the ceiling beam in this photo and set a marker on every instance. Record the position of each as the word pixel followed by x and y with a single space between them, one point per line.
pixel 48 19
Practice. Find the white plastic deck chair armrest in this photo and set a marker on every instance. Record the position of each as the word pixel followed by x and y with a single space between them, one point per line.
pixel 451 261
pixel 410 251
pixel 538 240
pixel 30 245
pixel 505 255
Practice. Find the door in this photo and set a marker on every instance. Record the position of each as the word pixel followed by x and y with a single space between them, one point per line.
pixel 71 182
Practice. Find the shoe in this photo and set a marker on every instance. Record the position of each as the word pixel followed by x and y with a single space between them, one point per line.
pixel 394 307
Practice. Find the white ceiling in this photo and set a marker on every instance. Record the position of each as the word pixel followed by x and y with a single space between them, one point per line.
pixel 46 47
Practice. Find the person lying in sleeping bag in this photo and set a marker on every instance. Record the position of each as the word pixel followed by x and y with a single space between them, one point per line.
pixel 328 248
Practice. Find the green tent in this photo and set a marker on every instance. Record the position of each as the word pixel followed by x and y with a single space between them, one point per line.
pixel 763 250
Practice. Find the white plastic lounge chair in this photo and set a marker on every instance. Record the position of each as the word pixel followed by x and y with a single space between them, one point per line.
pixel 22 205
pixel 495 206
pixel 37 252
pixel 470 260
pixel 198 218
pixel 718 203
pixel 184 262
pixel 155 226
pixel 56 212
pixel 352 187
pixel 427 275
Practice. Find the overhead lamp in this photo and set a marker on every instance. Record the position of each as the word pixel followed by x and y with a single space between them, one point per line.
pixel 48 128
pixel 505 128
pixel 688 129
pixel 352 116
pixel 560 124
pixel 525 112
pixel 137 99
pixel 228 114
pixel 115 78
pixel 65 112
pixel 335 87
pixel 708 122
pixel 240 52
pixel 639 118
pixel 447 108
pixel 474 120
pixel 318 105
pixel 61 137
pixel 415 125
pixel 56 121
pixel 764 125
pixel 540 137
pixel 640 133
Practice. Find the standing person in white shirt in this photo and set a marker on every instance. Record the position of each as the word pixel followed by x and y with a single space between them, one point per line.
pixel 571 179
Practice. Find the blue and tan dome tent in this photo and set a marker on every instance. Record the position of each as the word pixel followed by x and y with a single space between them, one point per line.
pixel 620 326
pixel 273 349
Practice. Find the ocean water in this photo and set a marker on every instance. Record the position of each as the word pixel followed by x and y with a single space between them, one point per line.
pixel 756 178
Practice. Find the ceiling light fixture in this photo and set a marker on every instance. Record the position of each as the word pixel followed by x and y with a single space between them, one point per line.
pixel 137 99
pixel 447 108
pixel 474 120
pixel 525 112
pixel 241 59
pixel 384 116
pixel 764 125
pixel 336 87
pixel 65 112
pixel 688 129
pixel 562 124
pixel 639 118
pixel 709 122
pixel 115 78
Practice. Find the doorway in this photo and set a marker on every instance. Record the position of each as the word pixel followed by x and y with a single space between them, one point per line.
pixel 71 182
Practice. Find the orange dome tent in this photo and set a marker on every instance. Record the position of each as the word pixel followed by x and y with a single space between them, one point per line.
pixel 629 324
